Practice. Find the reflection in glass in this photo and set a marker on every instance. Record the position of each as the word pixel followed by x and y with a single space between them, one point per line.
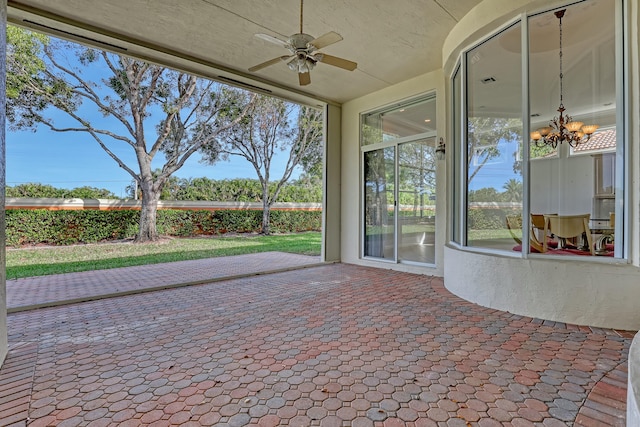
pixel 417 201
pixel 580 180
pixel 399 122
pixel 494 141
pixel 379 180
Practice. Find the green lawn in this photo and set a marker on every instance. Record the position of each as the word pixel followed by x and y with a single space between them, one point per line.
pixel 27 262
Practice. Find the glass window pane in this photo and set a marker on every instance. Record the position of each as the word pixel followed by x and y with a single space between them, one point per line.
pixel 379 181
pixel 417 201
pixel 494 138
pixel 578 180
pixel 399 122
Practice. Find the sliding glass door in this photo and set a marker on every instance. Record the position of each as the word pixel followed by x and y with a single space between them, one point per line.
pixel 416 201
pixel 400 202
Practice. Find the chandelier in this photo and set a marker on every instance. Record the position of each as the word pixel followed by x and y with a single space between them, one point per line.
pixel 562 128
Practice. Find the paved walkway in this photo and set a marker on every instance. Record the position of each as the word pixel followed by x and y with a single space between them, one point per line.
pixel 58 289
pixel 330 345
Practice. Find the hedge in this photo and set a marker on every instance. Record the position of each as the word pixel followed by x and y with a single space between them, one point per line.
pixel 488 219
pixel 31 227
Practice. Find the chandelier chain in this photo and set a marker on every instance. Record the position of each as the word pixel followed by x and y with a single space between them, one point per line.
pixel 560 55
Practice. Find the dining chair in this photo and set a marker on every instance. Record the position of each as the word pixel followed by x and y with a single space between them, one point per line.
pixel 514 225
pixel 567 227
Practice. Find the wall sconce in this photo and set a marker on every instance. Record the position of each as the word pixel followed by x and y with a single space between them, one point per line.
pixel 440 151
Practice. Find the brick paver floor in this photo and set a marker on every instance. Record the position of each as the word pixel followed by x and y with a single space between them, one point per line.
pixel 35 292
pixel 332 345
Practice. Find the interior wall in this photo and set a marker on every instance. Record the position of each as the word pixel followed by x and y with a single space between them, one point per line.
pixel 563 186
pixel 351 169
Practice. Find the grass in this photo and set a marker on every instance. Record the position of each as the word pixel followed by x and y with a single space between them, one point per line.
pixel 42 261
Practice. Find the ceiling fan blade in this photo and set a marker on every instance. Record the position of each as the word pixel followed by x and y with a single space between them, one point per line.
pixel 269 62
pixel 304 78
pixel 335 61
pixel 272 39
pixel 325 40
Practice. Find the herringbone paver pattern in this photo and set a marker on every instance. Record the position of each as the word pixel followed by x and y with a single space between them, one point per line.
pixel 329 345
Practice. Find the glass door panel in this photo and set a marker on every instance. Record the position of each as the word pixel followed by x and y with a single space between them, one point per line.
pixel 417 201
pixel 379 183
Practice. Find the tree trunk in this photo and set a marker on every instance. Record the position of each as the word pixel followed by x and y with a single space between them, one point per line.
pixel 266 213
pixel 147 226
pixel 266 210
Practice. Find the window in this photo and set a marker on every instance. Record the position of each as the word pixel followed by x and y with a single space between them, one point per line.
pixel 493 136
pixel 510 182
pixel 576 180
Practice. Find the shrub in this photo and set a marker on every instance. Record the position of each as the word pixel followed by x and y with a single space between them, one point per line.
pixel 31 227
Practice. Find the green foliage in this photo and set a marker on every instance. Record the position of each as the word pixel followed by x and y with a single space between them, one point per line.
pixel 24 63
pixel 488 219
pixel 237 190
pixel 32 227
pixel 487 194
pixel 512 191
pixel 37 190
pixel 29 227
pixel 283 221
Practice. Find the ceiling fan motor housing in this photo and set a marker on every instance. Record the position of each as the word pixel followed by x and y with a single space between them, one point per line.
pixel 300 41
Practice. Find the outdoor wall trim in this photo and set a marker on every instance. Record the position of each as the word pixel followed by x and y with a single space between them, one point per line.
pixel 633 387
pixel 130 204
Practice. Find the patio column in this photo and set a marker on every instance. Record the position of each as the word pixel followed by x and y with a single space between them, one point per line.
pixel 3 274
pixel 332 178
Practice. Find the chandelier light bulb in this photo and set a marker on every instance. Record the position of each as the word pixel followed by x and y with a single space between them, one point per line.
pixel 574 126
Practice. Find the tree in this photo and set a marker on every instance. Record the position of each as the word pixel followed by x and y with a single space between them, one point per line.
pixel 267 129
pixel 513 191
pixel 188 112
pixel 24 64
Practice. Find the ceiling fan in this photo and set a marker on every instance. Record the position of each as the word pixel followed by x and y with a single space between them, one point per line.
pixel 304 53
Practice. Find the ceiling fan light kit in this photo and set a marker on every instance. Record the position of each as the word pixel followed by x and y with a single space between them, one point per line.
pixel 303 53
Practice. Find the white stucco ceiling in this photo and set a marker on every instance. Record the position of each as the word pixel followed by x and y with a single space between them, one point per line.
pixel 391 41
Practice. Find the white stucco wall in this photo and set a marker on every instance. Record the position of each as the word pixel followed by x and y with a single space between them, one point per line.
pixel 570 291
pixel 351 214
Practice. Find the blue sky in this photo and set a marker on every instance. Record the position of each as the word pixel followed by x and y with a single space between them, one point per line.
pixel 497 171
pixel 74 159
pixel 69 160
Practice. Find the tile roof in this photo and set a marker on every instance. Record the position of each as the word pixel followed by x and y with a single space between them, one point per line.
pixel 603 140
